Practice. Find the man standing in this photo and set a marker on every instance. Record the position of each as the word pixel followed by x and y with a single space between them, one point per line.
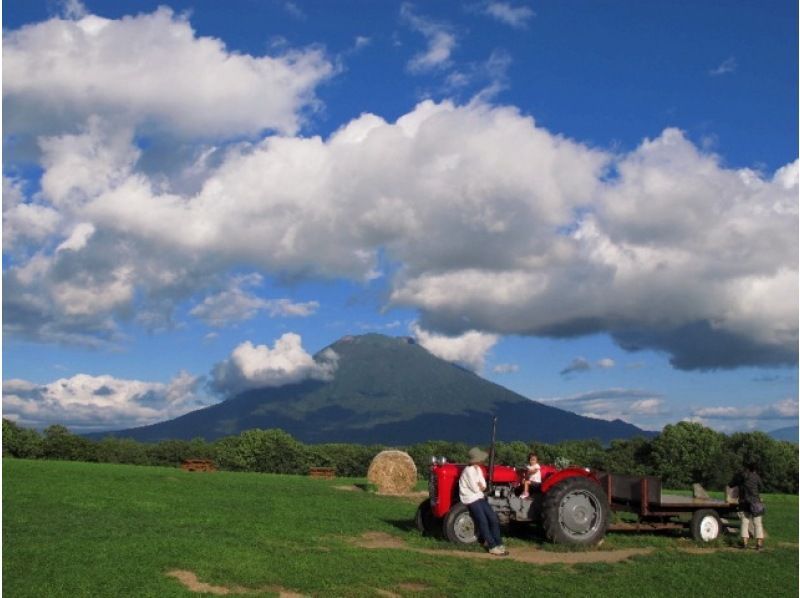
pixel 471 488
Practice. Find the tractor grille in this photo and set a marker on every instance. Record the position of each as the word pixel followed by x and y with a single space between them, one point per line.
pixel 433 490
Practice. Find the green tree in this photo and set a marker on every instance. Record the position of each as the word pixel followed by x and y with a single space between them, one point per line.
pixel 121 450
pixel 775 460
pixel 688 452
pixel 60 443
pixel 630 457
pixel 20 442
pixel 583 453
pixel 269 451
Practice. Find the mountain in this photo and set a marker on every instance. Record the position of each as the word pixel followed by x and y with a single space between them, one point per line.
pixel 790 433
pixel 390 391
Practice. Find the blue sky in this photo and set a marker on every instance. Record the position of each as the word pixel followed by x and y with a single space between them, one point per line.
pixel 591 203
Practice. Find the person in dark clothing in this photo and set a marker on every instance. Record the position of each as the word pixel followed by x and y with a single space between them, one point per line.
pixel 750 505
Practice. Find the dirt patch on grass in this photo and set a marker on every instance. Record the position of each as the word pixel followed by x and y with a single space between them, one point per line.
pixel 526 554
pixel 191 583
pixel 410 587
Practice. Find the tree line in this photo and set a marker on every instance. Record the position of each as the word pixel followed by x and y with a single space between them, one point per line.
pixel 680 455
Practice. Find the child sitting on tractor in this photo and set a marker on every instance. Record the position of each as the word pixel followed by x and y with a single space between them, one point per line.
pixel 533 475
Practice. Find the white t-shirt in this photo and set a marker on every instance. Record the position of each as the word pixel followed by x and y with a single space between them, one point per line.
pixel 535 473
pixel 471 484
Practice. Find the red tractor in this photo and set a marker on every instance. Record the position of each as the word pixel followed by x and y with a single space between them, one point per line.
pixel 571 504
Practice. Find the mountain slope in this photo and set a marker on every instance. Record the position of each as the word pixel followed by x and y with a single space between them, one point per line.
pixel 390 391
pixel 789 433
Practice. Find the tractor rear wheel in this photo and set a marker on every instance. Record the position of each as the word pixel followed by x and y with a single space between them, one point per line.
pixel 459 526
pixel 575 511
pixel 706 525
pixel 425 520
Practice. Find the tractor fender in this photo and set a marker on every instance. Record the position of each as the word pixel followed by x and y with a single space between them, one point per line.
pixel 562 474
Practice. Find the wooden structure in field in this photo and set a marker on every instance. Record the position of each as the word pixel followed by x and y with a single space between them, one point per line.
pixel 198 465
pixel 322 472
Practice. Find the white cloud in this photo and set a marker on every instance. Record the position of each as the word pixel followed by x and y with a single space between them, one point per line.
pixel 677 254
pixel 785 409
pixel 468 349
pixel 237 304
pixel 505 368
pixel 258 366
pixel 25 222
pixel 441 41
pixel 515 16
pixel 647 407
pixel 635 406
pixel 87 403
pixel 151 67
pixel 361 41
pixel 606 363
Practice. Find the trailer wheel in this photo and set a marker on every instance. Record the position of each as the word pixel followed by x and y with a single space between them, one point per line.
pixel 425 520
pixel 706 525
pixel 575 511
pixel 459 526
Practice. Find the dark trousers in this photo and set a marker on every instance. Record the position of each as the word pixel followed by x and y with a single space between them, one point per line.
pixel 488 525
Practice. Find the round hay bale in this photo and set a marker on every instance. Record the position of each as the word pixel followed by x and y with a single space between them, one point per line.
pixel 393 472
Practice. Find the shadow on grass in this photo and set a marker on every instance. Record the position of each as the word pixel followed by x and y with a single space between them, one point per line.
pixel 404 525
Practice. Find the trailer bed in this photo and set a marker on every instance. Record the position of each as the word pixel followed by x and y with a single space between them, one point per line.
pixel 642 495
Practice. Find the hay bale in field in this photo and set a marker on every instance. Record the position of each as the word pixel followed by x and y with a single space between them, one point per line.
pixel 393 472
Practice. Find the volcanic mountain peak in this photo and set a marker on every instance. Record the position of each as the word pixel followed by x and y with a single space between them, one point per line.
pixel 387 390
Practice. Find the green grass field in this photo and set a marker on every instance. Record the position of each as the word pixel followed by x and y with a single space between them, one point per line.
pixel 79 529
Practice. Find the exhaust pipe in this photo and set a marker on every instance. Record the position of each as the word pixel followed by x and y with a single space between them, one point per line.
pixel 490 482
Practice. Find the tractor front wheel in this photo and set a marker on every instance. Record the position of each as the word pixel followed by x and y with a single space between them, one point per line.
pixel 425 520
pixel 575 511
pixel 459 526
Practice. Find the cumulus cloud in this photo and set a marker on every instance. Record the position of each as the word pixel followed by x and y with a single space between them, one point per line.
pixel 677 253
pixel 151 67
pixel 505 368
pixel 441 41
pixel 237 304
pixel 258 366
pixel 25 223
pixel 468 349
pixel 87 403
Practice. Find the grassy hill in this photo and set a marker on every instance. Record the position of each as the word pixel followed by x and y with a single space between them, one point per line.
pixel 391 391
pixel 77 529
